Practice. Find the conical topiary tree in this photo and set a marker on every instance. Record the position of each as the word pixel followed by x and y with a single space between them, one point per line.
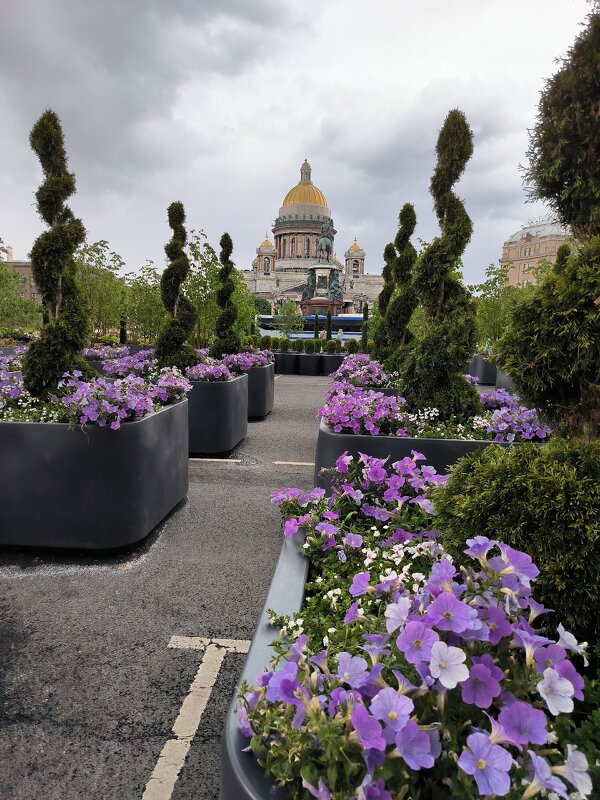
pixel 405 298
pixel 364 336
pixel 172 346
pixel 316 326
pixel 432 375
pixel 328 326
pixel 551 349
pixel 66 322
pixel 227 340
pixel 382 348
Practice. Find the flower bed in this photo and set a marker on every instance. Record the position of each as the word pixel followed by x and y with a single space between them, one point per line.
pixel 358 369
pixel 405 675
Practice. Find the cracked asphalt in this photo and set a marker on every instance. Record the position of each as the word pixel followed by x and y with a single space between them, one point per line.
pixel 89 689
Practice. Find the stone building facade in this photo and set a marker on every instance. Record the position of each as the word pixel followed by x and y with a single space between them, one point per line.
pixel 522 251
pixel 279 271
pixel 27 288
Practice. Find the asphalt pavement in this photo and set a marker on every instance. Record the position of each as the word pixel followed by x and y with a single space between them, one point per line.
pixel 89 689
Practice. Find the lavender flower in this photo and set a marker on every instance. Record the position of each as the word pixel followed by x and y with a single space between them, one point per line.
pixel 488 763
pixel 524 724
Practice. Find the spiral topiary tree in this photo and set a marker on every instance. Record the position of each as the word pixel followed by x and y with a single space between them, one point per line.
pixel 66 324
pixel 405 298
pixel 432 373
pixel 227 340
pixel 382 348
pixel 328 326
pixel 364 334
pixel 172 347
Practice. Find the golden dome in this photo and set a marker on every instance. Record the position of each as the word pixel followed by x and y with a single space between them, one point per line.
pixel 305 192
pixel 266 242
pixel 355 245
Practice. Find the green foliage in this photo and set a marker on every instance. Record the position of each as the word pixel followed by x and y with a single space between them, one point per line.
pixel 15 311
pixel 565 142
pixel 351 346
pixel 330 347
pixel 53 266
pixel 102 289
pixel 364 334
pixel 287 320
pixel 382 347
pixel 266 342
pixel 316 327
pixel 299 345
pixel 338 345
pixel 285 344
pixel 552 347
pixel 172 347
pixel 143 304
pixel 227 339
pixel 432 372
pixel 328 326
pixel 310 346
pixel 261 304
pixel 542 500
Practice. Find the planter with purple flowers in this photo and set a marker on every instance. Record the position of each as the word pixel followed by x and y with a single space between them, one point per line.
pixel 92 488
pixel 218 413
pixel 241 776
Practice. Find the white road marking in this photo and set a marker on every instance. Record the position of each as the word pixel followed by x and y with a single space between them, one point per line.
pixel 295 463
pixel 172 757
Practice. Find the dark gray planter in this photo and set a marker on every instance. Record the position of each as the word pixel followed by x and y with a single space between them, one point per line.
pixel 503 381
pixel 309 363
pixel 330 362
pixel 261 391
pixel 286 363
pixel 218 415
pixel 484 369
pixel 439 453
pixel 96 363
pixel 388 391
pixel 94 489
pixel 241 776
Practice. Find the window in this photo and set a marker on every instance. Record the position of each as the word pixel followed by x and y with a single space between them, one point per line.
pixel 267 265
pixel 355 268
pixel 306 247
pixel 293 247
pixel 284 248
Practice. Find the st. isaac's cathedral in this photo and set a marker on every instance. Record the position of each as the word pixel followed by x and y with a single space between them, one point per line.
pixel 282 268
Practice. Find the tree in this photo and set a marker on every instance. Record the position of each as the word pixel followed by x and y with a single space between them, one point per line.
pixel 565 142
pixel 287 320
pixel 382 346
pixel 432 374
pixel 143 303
pixel 53 265
pixel 172 347
pixel 316 326
pixel 365 328
pixel 227 339
pixel 261 305
pixel 328 326
pixel 552 347
pixel 405 298
pixel 101 287
pixel 16 311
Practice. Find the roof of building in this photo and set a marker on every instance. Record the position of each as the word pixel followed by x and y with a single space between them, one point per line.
pixel 305 192
pixel 355 245
pixel 266 242
pixel 546 226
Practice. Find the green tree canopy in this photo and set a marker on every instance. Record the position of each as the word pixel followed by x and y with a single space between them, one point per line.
pixel 101 286
pixel 16 311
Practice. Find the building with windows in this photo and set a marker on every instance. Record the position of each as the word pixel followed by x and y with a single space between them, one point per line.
pixel 538 240
pixel 279 271
pixel 27 287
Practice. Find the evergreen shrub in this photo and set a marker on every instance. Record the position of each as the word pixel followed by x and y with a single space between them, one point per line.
pixel 227 340
pixel 266 342
pixel 310 346
pixel 285 344
pixel 299 345
pixel 352 346
pixel 545 501
pixel 330 347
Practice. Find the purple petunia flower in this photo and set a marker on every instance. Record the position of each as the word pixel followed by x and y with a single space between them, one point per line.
pixel 360 584
pixel 367 728
pixel 396 613
pixel 575 770
pixel 549 656
pixel 416 641
pixel 353 540
pixel 414 745
pixel 524 724
pixel 449 614
pixel 321 791
pixel 392 708
pixel 488 763
pixel 542 778
pixel 498 625
pixel 352 670
pixel 481 687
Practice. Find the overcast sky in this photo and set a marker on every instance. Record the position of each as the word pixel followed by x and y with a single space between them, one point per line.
pixel 216 103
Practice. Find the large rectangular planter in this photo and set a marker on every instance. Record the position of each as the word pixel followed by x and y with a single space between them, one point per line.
pixel 484 369
pixel 91 489
pixel 309 363
pixel 439 453
pixel 218 415
pixel 330 362
pixel 504 381
pixel 241 776
pixel 286 363
pixel 261 391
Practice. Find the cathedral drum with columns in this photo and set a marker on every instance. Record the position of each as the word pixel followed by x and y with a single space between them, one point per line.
pixel 283 269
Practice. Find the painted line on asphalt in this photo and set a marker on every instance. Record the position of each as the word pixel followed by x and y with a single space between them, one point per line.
pixel 172 757
pixel 295 463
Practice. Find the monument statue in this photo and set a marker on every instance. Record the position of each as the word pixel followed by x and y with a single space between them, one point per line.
pixel 311 284
pixel 335 290
pixel 325 243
